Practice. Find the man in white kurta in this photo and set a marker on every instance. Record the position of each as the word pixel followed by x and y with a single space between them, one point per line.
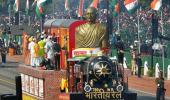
pixel 49 51
pixel 31 49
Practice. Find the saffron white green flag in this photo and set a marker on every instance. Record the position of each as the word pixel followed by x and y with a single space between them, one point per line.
pixel 156 4
pixel 16 6
pixel 94 3
pixel 35 1
pixel 131 5
pixel 80 10
pixel 40 7
pixel 115 5
pixel 66 5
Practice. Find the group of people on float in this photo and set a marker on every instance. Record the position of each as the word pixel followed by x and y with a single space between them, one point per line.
pixel 44 52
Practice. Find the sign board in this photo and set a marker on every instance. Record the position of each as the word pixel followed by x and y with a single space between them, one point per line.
pixel 102 94
pixel 32 86
pixel 27 85
pixel 41 89
pixel 85 52
pixel 31 82
pixel 36 86
pixel 23 82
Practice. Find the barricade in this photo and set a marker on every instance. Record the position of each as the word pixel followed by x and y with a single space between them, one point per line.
pixel 156 70
pixel 168 72
pixel 146 68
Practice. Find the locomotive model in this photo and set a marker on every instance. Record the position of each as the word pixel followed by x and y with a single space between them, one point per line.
pixel 103 73
pixel 98 76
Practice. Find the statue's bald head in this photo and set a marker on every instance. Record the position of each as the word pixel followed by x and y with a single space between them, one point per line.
pixel 91 10
pixel 91 14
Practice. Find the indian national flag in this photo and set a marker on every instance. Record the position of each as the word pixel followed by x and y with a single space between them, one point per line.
pixel 116 9
pixel 67 4
pixel 115 5
pixel 131 5
pixel 40 7
pixel 35 1
pixel 94 3
pixel 16 5
pixel 156 4
pixel 80 10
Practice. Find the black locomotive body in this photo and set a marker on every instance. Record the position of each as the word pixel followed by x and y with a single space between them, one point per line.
pixel 99 76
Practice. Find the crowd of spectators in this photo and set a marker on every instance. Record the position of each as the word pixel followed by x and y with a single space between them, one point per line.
pixel 128 23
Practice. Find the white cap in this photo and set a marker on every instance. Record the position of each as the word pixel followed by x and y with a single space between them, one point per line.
pixel 49 37
pixel 42 36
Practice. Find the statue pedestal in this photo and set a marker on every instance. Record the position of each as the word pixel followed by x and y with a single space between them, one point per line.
pixel 40 84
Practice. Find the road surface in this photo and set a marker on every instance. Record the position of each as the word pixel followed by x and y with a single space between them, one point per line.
pixel 7 83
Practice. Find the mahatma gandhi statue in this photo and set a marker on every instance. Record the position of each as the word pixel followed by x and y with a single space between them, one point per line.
pixel 91 34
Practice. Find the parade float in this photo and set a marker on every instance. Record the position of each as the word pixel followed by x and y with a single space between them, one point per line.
pixel 85 72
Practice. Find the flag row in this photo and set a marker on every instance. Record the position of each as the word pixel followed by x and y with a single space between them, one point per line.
pixel 116 6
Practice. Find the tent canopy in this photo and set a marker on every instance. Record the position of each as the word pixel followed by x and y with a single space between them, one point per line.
pixel 59 23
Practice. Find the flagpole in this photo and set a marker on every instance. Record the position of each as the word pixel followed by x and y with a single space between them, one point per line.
pixel 138 31
pixel 53 10
pixel 19 18
pixel 27 11
pixel 108 17
pixel 9 14
pixel 163 63
pixel 9 19
pixel 162 23
pixel 118 22
pixel 29 18
pixel 41 24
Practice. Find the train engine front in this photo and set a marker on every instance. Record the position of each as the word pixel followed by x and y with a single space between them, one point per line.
pixel 104 80
pixel 99 76
pixel 103 73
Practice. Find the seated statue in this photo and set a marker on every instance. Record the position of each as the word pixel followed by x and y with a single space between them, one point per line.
pixel 91 34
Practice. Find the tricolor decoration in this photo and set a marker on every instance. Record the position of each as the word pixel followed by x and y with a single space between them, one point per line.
pixel 80 9
pixel 131 5
pixel 116 7
pixel 16 6
pixel 66 5
pixel 156 4
pixel 40 7
pixel 94 3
